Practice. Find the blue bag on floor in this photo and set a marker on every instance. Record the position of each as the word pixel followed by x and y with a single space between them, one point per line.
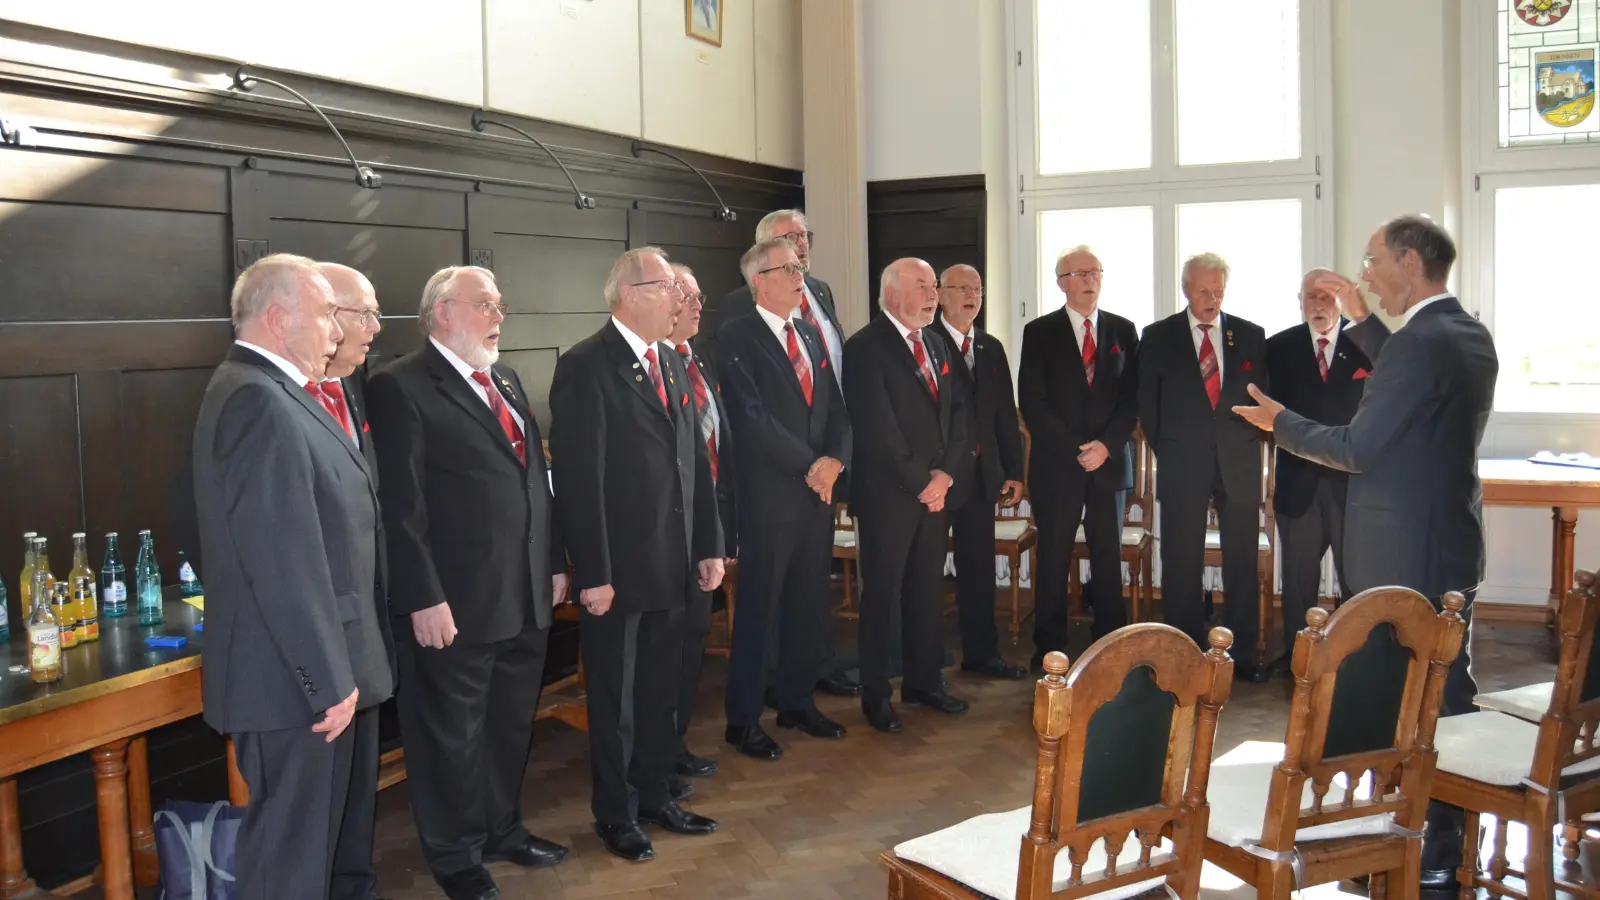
pixel 197 844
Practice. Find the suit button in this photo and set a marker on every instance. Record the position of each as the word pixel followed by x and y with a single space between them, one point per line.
pixel 677 509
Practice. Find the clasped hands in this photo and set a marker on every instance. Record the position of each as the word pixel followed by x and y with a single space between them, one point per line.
pixel 821 476
pixel 933 495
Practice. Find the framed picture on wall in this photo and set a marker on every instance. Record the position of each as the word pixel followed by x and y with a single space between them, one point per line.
pixel 703 20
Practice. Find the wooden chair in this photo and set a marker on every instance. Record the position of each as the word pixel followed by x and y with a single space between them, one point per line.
pixel 1368 681
pixel 1266 549
pixel 1120 737
pixel 1541 775
pixel 844 548
pixel 1138 536
pixel 1014 535
pixel 729 589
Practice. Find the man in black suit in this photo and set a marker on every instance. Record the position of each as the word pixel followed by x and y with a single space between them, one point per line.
pixel 816 309
pixel 295 652
pixel 638 507
pixel 479 567
pixel 1194 367
pixel 344 386
pixel 908 418
pixel 1414 512
pixel 1318 373
pixel 706 392
pixel 794 440
pixel 979 360
pixel 1078 384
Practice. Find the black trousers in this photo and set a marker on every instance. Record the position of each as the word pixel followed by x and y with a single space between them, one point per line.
pixel 972 529
pixel 1302 542
pixel 902 568
pixel 1183 549
pixel 631 664
pixel 1441 841
pixel 1058 509
pixel 298 822
pixel 696 629
pixel 354 877
pixel 466 718
pixel 783 581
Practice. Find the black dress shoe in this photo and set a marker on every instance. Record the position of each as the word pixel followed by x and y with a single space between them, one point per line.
pixel 839 685
pixel 1439 880
pixel 535 853
pixel 469 884
pixel 811 722
pixel 627 841
pixel 881 715
pixel 753 742
pixel 691 766
pixel 936 700
pixel 994 667
pixel 678 789
pixel 1251 673
pixel 678 820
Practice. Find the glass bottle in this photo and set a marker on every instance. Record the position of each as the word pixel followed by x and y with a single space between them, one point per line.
pixel 41 563
pixel 82 591
pixel 5 615
pixel 188 582
pixel 25 584
pixel 113 580
pixel 66 616
pixel 147 581
pixel 44 637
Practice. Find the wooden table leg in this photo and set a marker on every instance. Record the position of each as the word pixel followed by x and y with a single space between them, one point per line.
pixel 1566 536
pixel 14 881
pixel 238 790
pixel 146 866
pixel 111 792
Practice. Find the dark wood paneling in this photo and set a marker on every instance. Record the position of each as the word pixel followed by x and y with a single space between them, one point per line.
pixel 40 489
pixel 398 260
pixel 41 348
pixel 340 200
pixel 535 367
pixel 940 220
pixel 37 176
pixel 540 274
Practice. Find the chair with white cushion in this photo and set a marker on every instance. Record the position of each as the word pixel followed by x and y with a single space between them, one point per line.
pixel 1541 775
pixel 1346 793
pixel 1119 792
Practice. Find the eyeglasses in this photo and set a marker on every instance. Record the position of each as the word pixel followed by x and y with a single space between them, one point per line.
pixel 664 284
pixel 968 290
pixel 367 318
pixel 1082 273
pixel 1366 262
pixel 794 237
pixel 695 298
pixel 487 307
pixel 789 269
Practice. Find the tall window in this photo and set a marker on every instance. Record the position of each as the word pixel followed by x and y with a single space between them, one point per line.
pixel 1152 130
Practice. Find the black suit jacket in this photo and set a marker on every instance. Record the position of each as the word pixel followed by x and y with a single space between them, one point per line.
pixel 727 465
pixel 468 523
pixel 1063 412
pixel 900 433
pixel 1191 440
pixel 1297 384
pixel 289 519
pixel 992 427
pixel 355 396
pixel 740 302
pixel 633 482
pixel 779 435
pixel 1414 513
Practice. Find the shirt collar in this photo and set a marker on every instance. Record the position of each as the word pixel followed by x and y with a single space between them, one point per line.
pixel 459 364
pixel 1078 319
pixel 635 343
pixel 1196 323
pixel 904 331
pixel 289 368
pixel 771 318
pixel 1332 335
pixel 1412 312
pixel 956 332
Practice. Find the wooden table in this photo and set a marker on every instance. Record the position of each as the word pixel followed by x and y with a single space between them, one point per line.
pixel 1564 489
pixel 113 691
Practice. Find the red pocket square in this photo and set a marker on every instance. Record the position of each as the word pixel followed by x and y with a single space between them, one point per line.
pixel 944 369
pixel 366 427
pixel 1246 367
pixel 684 400
pixel 1360 374
pixel 1115 349
pixel 824 364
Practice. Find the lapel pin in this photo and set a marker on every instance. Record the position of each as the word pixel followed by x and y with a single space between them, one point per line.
pixel 638 378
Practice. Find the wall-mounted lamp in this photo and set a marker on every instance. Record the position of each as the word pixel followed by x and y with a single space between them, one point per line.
pixel 245 80
pixel 579 198
pixel 16 133
pixel 722 212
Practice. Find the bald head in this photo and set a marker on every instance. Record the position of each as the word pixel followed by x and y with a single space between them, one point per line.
pixel 909 291
pixel 358 316
pixel 961 296
pixel 1318 305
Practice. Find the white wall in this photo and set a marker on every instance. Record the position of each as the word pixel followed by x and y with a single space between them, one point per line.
pixel 924 88
pixel 574 62
pixel 696 95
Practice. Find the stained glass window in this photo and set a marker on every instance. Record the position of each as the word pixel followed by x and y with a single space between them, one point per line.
pixel 1547 55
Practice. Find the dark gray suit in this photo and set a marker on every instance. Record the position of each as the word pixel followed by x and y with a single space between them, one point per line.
pixel 289 522
pixel 1414 512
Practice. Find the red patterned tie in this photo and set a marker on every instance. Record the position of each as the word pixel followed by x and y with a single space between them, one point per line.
pixel 922 362
pixel 702 396
pixel 806 314
pixel 333 398
pixel 497 405
pixel 1088 351
pixel 1322 360
pixel 802 369
pixel 1209 372
pixel 653 368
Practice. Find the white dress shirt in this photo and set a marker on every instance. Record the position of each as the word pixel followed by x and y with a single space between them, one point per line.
pixel 289 368
pixel 1333 341
pixel 1077 320
pixel 830 338
pixel 1412 312
pixel 971 356
pixel 466 373
pixel 1214 335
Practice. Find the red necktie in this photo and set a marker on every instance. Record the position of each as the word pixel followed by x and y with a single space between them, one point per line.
pixel 922 362
pixel 497 405
pixel 1209 372
pixel 333 398
pixel 654 370
pixel 1322 360
pixel 702 396
pixel 966 347
pixel 806 314
pixel 802 370
pixel 1088 351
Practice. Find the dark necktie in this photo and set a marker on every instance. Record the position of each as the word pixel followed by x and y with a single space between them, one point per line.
pixel 1209 372
pixel 1088 351
pixel 802 369
pixel 921 354
pixel 497 405
pixel 702 398
pixel 333 398
pixel 1322 359
pixel 653 368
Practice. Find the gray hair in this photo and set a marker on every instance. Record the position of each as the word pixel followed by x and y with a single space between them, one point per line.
pixel 1208 262
pixel 270 280
pixel 891 276
pixel 756 258
pixel 1313 272
pixel 958 267
pixel 1074 251
pixel 770 220
pixel 629 267
pixel 1432 243
pixel 441 287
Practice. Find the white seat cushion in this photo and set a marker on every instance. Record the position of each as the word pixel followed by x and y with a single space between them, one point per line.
pixel 1010 529
pixel 1132 535
pixel 1529 703
pixel 982 853
pixel 1214 540
pixel 844 537
pixel 1493 748
pixel 1240 781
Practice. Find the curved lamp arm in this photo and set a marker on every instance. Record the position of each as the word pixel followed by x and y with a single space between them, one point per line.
pixel 723 212
pixel 244 80
pixel 579 198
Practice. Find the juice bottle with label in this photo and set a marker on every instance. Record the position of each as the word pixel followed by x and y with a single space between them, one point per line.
pixel 81 587
pixel 44 636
